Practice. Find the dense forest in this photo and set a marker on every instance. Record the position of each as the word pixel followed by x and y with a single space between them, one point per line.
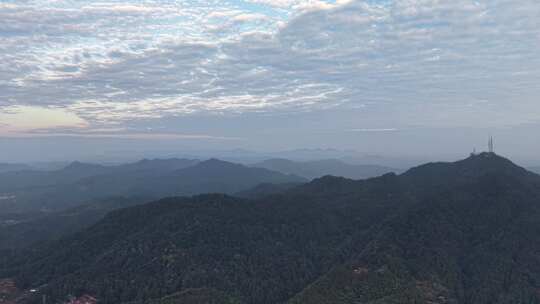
pixel 463 232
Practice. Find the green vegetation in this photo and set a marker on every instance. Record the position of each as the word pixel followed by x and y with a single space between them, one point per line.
pixel 463 232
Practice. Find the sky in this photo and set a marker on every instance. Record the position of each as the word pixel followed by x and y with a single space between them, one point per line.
pixel 81 79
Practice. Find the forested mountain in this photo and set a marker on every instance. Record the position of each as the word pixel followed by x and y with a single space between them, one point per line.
pixel 535 169
pixel 463 232
pixel 319 168
pixel 80 183
pixel 22 230
pixel 472 239
pixel 266 189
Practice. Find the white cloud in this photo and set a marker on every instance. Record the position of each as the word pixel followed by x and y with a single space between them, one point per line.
pixel 301 5
pixel 115 63
pixel 375 130
pixel 28 118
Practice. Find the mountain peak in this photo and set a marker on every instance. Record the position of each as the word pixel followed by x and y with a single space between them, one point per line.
pixel 166 163
pixel 487 155
pixel 489 161
pixel 214 162
pixel 77 165
pixel 471 168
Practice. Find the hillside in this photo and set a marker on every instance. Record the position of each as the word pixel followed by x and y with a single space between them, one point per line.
pixel 22 230
pixel 472 241
pixel 463 232
pixel 319 168
pixel 267 189
pixel 255 251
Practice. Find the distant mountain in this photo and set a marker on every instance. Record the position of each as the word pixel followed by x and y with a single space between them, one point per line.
pixel 216 176
pixel 535 169
pixel 13 167
pixel 34 190
pixel 319 168
pixel 463 232
pixel 80 183
pixel 162 165
pixel 17 180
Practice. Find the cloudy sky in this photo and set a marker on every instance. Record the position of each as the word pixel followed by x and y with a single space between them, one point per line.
pixel 400 76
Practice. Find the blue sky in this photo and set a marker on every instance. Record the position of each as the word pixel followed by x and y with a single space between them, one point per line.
pixel 225 74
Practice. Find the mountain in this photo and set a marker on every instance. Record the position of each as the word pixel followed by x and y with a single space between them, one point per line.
pixel 474 240
pixel 162 165
pixel 254 251
pixel 216 176
pixel 462 232
pixel 13 167
pixel 12 181
pixel 535 169
pixel 80 183
pixel 266 189
pixel 76 171
pixel 319 168
pixel 209 176
pixel 22 230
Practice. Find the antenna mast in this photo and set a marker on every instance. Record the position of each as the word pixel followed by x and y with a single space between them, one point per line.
pixel 490 144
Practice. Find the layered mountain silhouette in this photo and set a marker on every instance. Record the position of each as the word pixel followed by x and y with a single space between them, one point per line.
pixel 13 167
pixel 463 232
pixel 81 183
pixel 319 168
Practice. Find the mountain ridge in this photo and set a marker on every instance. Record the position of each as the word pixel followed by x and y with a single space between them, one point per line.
pixel 318 168
pixel 467 237
pixel 80 183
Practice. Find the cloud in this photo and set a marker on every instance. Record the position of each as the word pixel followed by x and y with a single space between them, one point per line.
pixel 375 130
pixel 421 62
pixel 301 5
pixel 136 136
pixel 27 118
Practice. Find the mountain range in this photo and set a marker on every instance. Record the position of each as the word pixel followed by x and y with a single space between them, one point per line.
pixel 461 232
pixel 13 167
pixel 319 168
pixel 80 183
pixel 535 169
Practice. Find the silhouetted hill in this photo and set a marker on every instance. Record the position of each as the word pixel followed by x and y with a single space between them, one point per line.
pixel 211 176
pixel 13 167
pixel 162 165
pixel 80 183
pixel 266 189
pixel 535 170
pixel 465 170
pixel 463 232
pixel 37 178
pixel 319 168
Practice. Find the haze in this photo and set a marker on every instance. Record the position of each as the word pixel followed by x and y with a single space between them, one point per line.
pixel 119 80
